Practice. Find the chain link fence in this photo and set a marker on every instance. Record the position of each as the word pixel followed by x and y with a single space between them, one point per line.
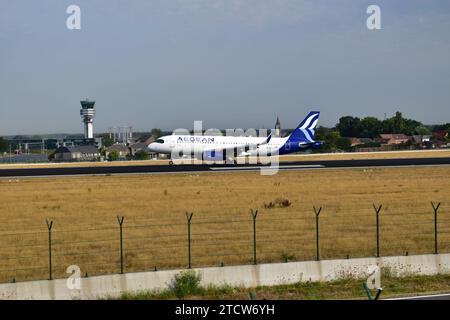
pixel 199 240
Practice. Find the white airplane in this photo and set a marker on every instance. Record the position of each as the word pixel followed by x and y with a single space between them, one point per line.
pixel 223 148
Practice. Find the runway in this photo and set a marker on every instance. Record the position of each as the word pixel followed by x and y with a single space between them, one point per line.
pixel 162 169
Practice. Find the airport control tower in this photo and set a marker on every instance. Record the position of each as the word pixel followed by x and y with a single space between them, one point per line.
pixel 87 113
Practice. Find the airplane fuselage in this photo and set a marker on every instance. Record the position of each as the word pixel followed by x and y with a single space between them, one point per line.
pixel 226 147
pixel 243 146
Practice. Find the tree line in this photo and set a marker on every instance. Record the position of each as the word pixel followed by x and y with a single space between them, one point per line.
pixel 4 145
pixel 338 137
pixel 371 127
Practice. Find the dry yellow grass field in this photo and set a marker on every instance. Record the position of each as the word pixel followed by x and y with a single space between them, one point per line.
pixel 86 231
pixel 294 157
pixel 84 164
pixel 369 155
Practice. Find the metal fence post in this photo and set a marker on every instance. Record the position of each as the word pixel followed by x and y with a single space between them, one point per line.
pixel 254 215
pixel 189 218
pixel 317 212
pixel 436 208
pixel 377 211
pixel 120 220
pixel 49 227
pixel 369 294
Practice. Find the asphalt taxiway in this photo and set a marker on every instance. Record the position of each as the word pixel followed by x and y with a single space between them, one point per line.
pixel 161 169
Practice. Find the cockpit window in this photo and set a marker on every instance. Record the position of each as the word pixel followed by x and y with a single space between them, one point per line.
pixel 159 141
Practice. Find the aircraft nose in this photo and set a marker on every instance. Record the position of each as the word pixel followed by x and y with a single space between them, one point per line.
pixel 152 147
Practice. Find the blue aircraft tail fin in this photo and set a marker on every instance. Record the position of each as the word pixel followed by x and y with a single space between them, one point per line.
pixel 306 129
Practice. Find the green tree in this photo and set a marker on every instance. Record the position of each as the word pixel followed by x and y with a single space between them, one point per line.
pixel 445 126
pixel 388 125
pixel 410 126
pixel 107 141
pixel 398 124
pixel 4 145
pixel 370 127
pixel 103 151
pixel 329 137
pixel 113 155
pixel 343 143
pixel 141 155
pixel 349 126
pixel 322 135
pixel 423 131
pixel 156 133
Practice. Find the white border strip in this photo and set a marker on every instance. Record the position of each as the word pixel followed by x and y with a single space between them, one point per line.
pixel 421 297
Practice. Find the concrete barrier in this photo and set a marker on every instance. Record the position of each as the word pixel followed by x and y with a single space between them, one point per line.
pixel 246 276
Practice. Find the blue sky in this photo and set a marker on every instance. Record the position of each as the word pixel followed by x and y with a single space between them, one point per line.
pixel 230 63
